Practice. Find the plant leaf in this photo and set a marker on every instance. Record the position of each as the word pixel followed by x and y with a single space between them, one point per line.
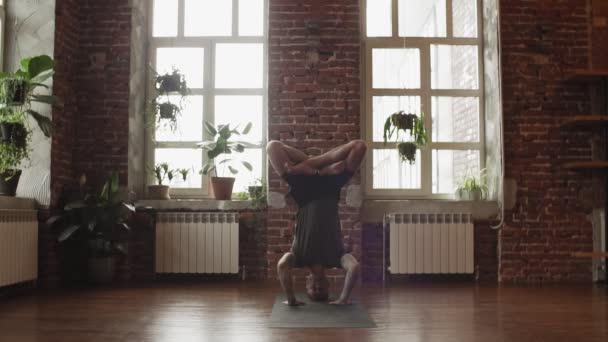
pixel 53 219
pixel 38 65
pixel 130 207
pixel 233 170
pixel 125 226
pixel 247 128
pixel 247 165
pixel 48 99
pixel 210 129
pixel 68 232
pixel 45 124
pixel 43 76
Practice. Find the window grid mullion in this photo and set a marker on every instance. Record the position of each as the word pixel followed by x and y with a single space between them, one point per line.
pixel 449 19
pixel 181 15
pixel 425 102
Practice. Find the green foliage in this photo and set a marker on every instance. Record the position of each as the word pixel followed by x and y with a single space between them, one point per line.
pixel 96 219
pixel 18 89
pixel 14 138
pixel 401 121
pixel 222 144
pixel 241 196
pixel 258 195
pixel 162 171
pixel 473 182
pixel 162 107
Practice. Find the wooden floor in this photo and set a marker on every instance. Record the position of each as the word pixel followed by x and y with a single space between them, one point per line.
pixel 239 312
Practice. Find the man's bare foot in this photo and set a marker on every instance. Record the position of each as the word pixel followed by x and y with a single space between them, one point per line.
pixel 333 169
pixel 293 302
pixel 341 302
pixel 299 169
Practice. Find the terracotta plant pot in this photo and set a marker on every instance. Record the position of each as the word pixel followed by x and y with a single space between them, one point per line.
pixel 159 192
pixel 222 187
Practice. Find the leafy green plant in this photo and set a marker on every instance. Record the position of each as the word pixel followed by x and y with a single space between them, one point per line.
pixel 184 173
pixel 257 194
pixel 161 172
pixel 14 138
pixel 473 183
pixel 18 89
pixel 401 121
pixel 222 144
pixel 163 108
pixel 98 218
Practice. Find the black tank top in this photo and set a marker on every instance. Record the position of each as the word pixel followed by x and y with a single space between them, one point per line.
pixel 304 189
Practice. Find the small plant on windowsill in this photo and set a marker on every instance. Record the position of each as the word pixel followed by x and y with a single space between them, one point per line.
pixel 222 144
pixel 161 173
pixel 401 121
pixel 14 141
pixel 472 187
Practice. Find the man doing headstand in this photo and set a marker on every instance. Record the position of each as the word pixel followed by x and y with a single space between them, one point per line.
pixel 315 184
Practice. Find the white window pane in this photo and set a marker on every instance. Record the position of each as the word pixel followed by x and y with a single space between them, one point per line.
pixel 454 67
pixel 189 125
pixel 390 172
pixel 208 18
pixel 455 119
pixel 239 110
pixel 244 178
pixel 379 18
pixel 182 158
pixel 165 18
pixel 449 166
pixel 396 68
pixel 385 106
pixel 422 18
pixel 251 17
pixel 239 66
pixel 464 18
pixel 189 61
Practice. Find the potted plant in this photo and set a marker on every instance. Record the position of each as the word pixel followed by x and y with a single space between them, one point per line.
pixel 18 89
pixel 173 82
pixel 159 191
pixel 472 187
pixel 222 185
pixel 14 137
pixel 401 121
pixel 257 195
pixel 97 220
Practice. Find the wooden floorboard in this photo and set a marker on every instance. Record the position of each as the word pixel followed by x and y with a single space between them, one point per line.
pixel 239 311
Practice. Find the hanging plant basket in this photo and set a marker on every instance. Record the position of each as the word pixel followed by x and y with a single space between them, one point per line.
pixel 13 91
pixel 169 83
pixel 407 152
pixel 167 110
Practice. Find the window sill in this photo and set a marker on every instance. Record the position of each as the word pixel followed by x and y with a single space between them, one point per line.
pixel 194 205
pixel 17 203
pixel 374 210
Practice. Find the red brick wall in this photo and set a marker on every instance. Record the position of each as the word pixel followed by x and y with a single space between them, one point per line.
pixel 540 41
pixel 67 27
pixel 314 94
pixel 314 97
pixel 103 71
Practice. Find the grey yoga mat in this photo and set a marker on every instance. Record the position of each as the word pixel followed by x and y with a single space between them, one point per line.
pixel 318 315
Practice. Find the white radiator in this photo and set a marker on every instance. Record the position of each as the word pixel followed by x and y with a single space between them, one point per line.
pixel 18 246
pixel 431 243
pixel 197 242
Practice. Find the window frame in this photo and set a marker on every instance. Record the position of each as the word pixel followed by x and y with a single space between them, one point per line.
pixel 208 92
pixel 425 92
pixel 2 32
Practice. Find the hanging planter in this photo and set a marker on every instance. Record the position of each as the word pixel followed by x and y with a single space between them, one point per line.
pixel 407 152
pixel 168 111
pixel 13 91
pixel 406 122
